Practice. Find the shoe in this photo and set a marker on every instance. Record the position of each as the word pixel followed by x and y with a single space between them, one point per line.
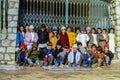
pixel 31 65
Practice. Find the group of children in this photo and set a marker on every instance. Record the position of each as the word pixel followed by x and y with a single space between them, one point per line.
pixel 87 47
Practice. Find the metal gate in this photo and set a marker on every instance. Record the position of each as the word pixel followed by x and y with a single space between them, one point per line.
pixel 77 13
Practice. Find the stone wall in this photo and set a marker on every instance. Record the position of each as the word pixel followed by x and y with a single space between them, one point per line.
pixel 115 22
pixel 8 36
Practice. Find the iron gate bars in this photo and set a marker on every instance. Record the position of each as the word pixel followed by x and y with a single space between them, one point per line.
pixel 77 13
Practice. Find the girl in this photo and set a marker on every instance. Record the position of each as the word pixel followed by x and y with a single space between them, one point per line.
pixel 64 37
pixel 103 38
pixel 71 36
pixel 83 38
pixel 31 37
pixel 54 37
pixel 20 36
pixel 94 36
pixel 112 40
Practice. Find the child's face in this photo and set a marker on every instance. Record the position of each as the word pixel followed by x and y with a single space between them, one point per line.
pixel 21 28
pixel 106 49
pixel 74 49
pixel 104 32
pixel 31 30
pixel 50 47
pixel 58 46
pixel 34 48
pixel 99 31
pixel 79 46
pixel 93 48
pixel 111 31
pixel 78 31
pixel 83 51
pixel 63 30
pixel 69 29
pixel 93 31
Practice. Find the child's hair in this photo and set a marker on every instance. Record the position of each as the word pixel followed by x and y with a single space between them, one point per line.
pixel 99 48
pixel 93 45
pixel 67 47
pixel 112 29
pixel 79 43
pixel 49 44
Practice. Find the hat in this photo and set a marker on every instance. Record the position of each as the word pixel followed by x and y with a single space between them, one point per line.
pixel 63 27
pixel 75 46
pixel 59 42
pixel 34 45
pixel 22 45
pixel 54 28
pixel 88 28
pixel 82 48
pixel 106 46
pixel 31 27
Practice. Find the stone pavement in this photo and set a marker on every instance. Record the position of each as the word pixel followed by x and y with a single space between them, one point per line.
pixel 36 73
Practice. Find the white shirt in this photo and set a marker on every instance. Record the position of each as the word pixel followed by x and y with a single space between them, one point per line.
pixel 32 34
pixel 83 38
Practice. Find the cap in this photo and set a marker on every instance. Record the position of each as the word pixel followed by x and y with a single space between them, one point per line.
pixel 31 27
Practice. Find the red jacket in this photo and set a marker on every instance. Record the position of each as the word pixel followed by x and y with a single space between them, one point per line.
pixel 64 39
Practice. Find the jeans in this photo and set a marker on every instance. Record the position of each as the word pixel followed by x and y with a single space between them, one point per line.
pixel 31 60
pixel 59 60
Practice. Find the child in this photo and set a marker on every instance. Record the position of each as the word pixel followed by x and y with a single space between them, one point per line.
pixel 64 37
pixel 66 51
pixel 79 44
pixel 109 55
pixel 33 55
pixel 54 36
pixel 71 36
pixel 83 38
pixel 86 58
pixel 31 37
pixel 20 36
pixel 48 59
pixel 98 58
pixel 103 38
pixel 58 56
pixel 21 54
pixel 112 40
pixel 74 57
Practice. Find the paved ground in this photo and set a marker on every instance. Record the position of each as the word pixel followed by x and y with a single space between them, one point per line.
pixel 36 73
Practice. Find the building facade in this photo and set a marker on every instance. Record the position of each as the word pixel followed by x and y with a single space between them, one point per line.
pixel 93 13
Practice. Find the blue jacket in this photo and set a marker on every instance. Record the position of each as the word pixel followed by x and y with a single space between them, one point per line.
pixel 19 38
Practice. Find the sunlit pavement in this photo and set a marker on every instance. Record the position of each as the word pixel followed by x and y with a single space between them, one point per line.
pixel 36 73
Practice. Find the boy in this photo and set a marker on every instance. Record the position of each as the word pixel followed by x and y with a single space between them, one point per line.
pixel 98 58
pixel 86 57
pixel 74 57
pixel 21 54
pixel 58 55
pixel 109 55
pixel 48 58
pixel 33 55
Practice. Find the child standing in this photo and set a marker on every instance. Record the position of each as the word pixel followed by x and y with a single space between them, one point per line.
pixel 64 37
pixel 71 36
pixel 112 40
pixel 83 38
pixel 54 36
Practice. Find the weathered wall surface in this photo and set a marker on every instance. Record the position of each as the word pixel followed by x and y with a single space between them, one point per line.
pixel 7 41
pixel 115 22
